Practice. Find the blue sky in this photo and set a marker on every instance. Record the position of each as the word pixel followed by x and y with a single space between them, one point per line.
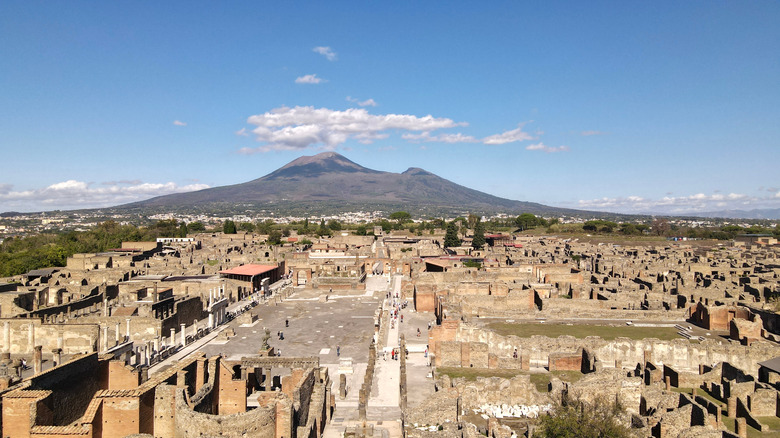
pixel 664 107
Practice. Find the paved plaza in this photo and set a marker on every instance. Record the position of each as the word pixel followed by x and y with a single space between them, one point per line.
pixel 313 325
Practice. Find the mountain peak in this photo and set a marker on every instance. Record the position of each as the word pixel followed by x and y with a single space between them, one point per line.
pixel 315 165
pixel 416 171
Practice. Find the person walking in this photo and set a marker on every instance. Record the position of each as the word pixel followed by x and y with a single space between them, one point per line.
pixel 338 350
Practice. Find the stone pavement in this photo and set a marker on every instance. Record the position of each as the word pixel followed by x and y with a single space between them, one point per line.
pixel 383 411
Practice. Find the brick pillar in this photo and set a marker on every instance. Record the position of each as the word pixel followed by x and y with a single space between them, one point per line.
pixel 740 427
pixel 7 337
pixel 668 381
pixel 37 359
pixel 731 406
pixel 200 373
pixel 269 381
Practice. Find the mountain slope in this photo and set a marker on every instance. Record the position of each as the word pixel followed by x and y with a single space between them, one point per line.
pixel 330 177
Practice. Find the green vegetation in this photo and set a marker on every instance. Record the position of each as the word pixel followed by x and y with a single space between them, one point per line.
pixel 212 262
pixel 575 418
pixel 451 238
pixel 20 255
pixel 275 237
pixel 401 217
pixel 472 264
pixel 527 221
pixel 581 331
pixel 229 227
pixel 479 235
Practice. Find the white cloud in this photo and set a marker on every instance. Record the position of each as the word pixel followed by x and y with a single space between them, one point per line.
pixel 440 138
pixel 300 127
pixel 74 194
pixel 549 149
pixel 309 79
pixel 680 205
pixel 509 136
pixel 242 132
pixel 179 123
pixel 325 51
pixel 367 102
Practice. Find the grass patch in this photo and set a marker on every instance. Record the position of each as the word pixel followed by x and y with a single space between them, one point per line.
pixel 540 380
pixel 581 331
pixel 212 262
pixel 473 373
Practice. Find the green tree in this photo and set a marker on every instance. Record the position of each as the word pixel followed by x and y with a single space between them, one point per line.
pixel 334 225
pixel 400 216
pixel 472 220
pixel 182 230
pixel 451 237
pixel 265 227
pixel 247 227
pixel 575 418
pixel 229 227
pixel 479 235
pixel 196 227
pixel 275 237
pixel 527 221
pixel 361 230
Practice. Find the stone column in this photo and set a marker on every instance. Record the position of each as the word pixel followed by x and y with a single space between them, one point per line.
pixel 195 328
pixel 7 337
pixel 731 406
pixel 156 343
pixel 211 320
pixel 127 332
pixel 668 381
pixel 57 356
pixel 740 427
pixel 105 338
pixel 116 334
pixel 31 337
pixel 37 359
pixel 173 336
pixel 105 307
pixel 183 336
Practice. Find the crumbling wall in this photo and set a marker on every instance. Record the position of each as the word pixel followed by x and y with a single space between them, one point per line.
pixel 256 423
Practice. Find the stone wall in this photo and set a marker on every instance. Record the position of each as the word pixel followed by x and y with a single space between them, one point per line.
pixel 679 353
pixel 257 423
pixel 24 334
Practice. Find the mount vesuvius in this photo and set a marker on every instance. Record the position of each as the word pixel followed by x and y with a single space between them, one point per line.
pixel 330 179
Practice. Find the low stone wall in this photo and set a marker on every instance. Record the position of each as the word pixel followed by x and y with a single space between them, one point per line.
pixel 679 353
pixel 257 423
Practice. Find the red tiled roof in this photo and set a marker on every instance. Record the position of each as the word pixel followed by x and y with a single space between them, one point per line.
pixel 250 269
